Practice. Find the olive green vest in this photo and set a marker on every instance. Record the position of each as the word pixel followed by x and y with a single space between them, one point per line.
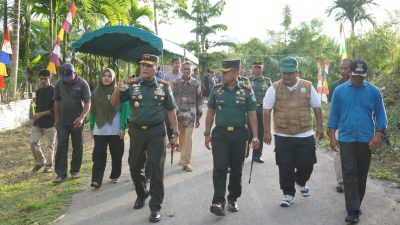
pixel 292 113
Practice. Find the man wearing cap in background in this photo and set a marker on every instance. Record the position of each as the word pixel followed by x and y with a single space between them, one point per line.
pixel 149 98
pixel 187 93
pixel 71 105
pixel 345 72
pixel 231 103
pixel 43 124
pixel 291 99
pixel 260 84
pixel 358 112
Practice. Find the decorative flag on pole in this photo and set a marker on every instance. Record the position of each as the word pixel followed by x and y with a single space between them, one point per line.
pixel 325 88
pixel 319 77
pixel 5 53
pixel 56 54
pixel 342 43
pixel 2 85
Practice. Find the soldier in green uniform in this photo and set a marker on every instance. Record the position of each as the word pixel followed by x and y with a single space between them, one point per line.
pixel 242 78
pixel 149 98
pixel 230 103
pixel 260 84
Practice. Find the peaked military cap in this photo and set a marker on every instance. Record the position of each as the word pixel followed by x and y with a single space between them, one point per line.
pixel 257 63
pixel 228 64
pixel 149 59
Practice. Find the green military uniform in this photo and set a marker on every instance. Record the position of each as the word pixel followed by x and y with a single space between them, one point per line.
pixel 244 80
pixel 229 137
pixel 260 85
pixel 149 100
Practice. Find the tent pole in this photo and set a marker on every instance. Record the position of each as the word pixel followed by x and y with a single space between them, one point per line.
pixel 162 60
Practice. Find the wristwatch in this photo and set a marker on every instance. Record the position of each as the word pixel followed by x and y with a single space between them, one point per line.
pixel 206 134
pixel 380 130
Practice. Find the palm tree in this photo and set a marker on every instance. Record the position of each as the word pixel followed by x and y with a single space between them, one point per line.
pixel 15 48
pixel 287 20
pixel 354 11
pixel 135 13
pixel 202 12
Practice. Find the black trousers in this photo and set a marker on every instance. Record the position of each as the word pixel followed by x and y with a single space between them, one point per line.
pixel 147 169
pixel 61 157
pixel 148 146
pixel 99 156
pixel 228 149
pixel 257 153
pixel 295 158
pixel 356 158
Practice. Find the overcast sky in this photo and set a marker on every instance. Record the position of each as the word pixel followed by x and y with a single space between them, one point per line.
pixel 251 18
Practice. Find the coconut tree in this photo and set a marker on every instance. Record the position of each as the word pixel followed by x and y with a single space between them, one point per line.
pixel 202 12
pixel 135 13
pixel 287 20
pixel 15 47
pixel 354 11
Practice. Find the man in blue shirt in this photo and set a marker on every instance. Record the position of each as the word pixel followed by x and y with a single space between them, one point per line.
pixel 357 111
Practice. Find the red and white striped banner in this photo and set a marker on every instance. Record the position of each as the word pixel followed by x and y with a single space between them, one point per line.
pixel 56 54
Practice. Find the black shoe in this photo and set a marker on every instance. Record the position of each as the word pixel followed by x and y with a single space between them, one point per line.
pixel 155 216
pixel 139 203
pixel 339 187
pixel 232 206
pixel 258 160
pixel 58 180
pixel 95 184
pixel 352 217
pixel 217 209
pixel 37 167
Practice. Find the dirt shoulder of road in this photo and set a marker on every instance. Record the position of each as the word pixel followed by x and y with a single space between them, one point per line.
pixel 31 198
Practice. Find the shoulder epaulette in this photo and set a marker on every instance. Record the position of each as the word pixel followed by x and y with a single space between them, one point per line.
pixel 163 82
pixel 135 80
pixel 245 86
pixel 218 85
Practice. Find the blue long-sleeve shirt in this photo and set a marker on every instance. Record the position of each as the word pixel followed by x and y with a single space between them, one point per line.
pixel 357 112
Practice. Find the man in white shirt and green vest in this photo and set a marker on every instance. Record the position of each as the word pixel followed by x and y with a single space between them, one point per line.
pixel 291 98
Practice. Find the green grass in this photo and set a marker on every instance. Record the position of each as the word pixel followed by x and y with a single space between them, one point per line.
pixel 28 198
pixel 384 173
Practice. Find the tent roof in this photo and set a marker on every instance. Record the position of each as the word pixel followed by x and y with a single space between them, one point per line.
pixel 127 43
pixel 122 42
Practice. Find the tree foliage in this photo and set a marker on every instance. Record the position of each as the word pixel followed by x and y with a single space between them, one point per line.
pixel 201 14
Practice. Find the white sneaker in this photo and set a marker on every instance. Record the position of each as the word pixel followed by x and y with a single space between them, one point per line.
pixel 287 201
pixel 305 191
pixel 115 180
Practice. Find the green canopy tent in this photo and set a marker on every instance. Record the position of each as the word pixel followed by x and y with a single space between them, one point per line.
pixel 128 43
pixel 119 42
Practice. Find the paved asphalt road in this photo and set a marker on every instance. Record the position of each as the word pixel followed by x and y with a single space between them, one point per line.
pixel 188 197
